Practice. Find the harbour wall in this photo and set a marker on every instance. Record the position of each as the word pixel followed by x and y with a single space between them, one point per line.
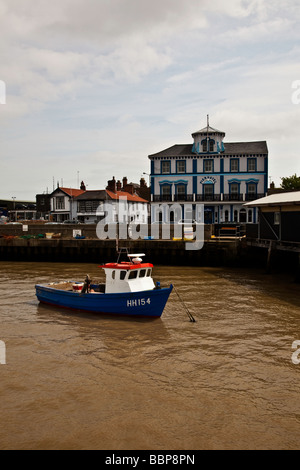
pixel 43 242
pixel 32 245
pixel 164 252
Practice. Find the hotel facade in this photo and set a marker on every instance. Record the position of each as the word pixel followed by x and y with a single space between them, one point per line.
pixel 209 172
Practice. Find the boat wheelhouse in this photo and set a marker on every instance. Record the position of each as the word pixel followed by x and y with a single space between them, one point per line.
pixel 129 276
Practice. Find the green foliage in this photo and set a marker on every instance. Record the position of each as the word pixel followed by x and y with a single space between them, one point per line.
pixel 291 183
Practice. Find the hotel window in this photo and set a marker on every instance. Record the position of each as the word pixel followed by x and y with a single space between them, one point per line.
pixel 208 166
pixel 234 165
pixel 252 189
pixel 181 191
pixel 208 191
pixel 204 145
pixel 166 167
pixel 234 191
pixel 180 166
pixel 166 192
pixel 251 164
pixel 211 145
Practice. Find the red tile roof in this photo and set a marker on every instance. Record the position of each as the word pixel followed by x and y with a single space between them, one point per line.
pixel 130 197
pixel 72 192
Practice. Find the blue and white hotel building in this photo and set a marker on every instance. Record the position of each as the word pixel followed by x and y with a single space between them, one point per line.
pixel 222 176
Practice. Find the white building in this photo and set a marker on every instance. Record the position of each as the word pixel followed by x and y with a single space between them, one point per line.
pixel 63 204
pixel 91 206
pixel 115 206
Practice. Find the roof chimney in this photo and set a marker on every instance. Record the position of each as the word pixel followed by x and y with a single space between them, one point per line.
pixel 143 183
pixel 119 185
pixel 82 186
pixel 111 185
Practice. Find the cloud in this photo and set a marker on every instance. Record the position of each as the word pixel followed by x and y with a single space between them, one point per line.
pixel 56 50
pixel 94 85
pixel 97 20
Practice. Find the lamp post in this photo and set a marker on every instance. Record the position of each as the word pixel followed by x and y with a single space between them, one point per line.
pixel 14 207
pixel 144 173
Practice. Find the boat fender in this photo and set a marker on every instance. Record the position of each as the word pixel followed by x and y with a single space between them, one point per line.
pixel 157 285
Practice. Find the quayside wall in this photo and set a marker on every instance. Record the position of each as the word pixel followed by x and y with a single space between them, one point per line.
pixel 57 242
pixel 32 245
pixel 164 252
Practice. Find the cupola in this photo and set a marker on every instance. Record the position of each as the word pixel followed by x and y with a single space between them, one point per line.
pixel 208 140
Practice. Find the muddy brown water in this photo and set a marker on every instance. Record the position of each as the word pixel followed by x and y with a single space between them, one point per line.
pixel 84 381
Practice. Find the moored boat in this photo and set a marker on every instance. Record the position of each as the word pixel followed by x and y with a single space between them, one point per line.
pixel 129 289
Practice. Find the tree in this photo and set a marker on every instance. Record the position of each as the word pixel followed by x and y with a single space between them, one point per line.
pixel 291 183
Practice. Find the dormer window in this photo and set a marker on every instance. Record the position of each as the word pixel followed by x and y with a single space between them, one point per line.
pixel 208 145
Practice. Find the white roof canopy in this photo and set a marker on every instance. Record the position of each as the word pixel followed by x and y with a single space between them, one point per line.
pixel 278 199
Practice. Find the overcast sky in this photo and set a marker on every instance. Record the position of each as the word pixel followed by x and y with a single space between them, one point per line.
pixel 95 86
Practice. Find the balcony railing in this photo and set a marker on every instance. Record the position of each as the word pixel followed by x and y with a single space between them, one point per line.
pixel 206 197
pixel 183 197
pixel 233 197
pixel 162 198
pixel 175 197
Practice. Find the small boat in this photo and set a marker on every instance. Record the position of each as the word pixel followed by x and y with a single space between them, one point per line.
pixel 128 290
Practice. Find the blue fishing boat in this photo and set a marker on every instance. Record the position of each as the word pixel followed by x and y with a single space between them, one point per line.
pixel 129 289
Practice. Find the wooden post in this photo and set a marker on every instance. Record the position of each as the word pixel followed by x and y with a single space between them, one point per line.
pixel 269 259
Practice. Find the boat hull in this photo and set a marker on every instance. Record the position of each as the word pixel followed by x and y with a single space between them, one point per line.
pixel 144 303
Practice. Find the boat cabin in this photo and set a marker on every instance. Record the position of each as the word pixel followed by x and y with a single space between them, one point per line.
pixel 128 276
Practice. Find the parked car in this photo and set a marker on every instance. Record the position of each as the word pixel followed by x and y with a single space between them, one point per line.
pixel 71 222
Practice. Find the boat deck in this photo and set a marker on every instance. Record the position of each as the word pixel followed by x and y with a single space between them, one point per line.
pixel 69 286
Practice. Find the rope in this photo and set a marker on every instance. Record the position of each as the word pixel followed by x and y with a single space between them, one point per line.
pixel 192 319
